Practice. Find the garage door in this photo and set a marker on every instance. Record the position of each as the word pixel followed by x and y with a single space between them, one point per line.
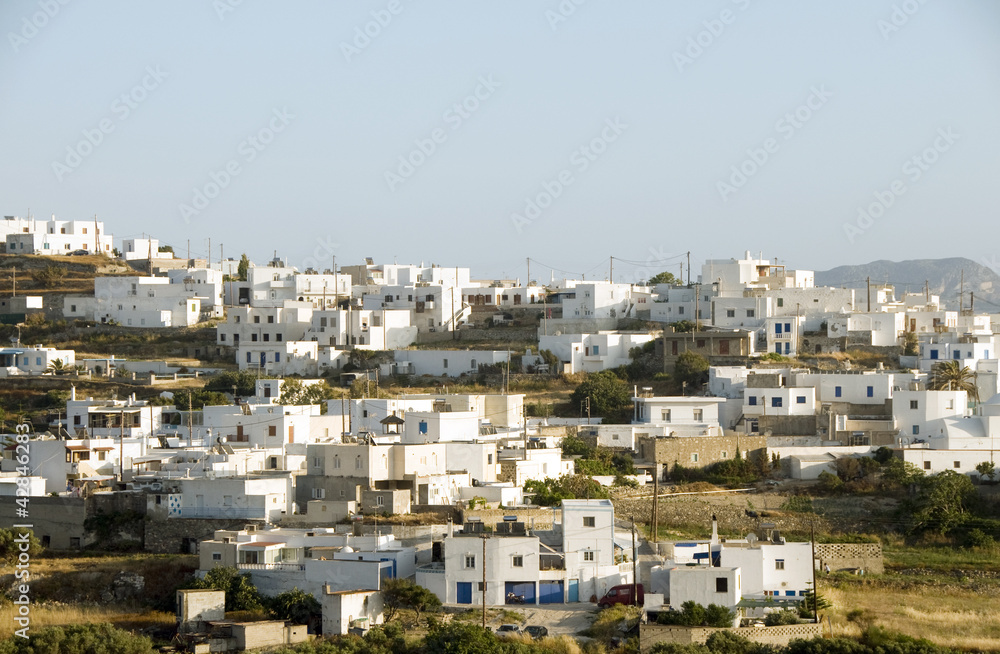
pixel 525 588
pixel 550 592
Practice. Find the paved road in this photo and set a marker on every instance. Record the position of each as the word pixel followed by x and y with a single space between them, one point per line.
pixel 559 618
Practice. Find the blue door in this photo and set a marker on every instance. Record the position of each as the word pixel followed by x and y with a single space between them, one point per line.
pixel 464 592
pixel 574 590
pixel 550 592
pixel 525 588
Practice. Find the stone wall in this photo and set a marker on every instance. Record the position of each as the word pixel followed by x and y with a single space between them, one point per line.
pixel 543 516
pixel 819 344
pixel 729 508
pixel 789 425
pixel 651 634
pixel 709 449
pixel 849 556
pixel 56 520
pixel 182 534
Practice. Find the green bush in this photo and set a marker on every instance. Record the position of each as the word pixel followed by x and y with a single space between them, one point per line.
pixel 782 617
pixel 79 639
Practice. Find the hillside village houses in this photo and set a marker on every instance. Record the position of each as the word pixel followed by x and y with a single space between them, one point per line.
pixel 55 237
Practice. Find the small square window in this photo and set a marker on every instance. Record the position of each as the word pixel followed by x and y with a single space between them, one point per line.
pixel 694 458
pixel 957 464
pixel 927 465
pixel 517 561
pixel 588 556
pixel 914 404
pixel 800 399
pixel 216 556
pixel 470 561
pixel 779 564
pixel 721 585
pixel 589 521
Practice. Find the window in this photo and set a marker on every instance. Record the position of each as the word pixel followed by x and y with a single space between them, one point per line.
pixel 517 562
pixel 380 501
pixel 665 415
pixel 694 458
pixel 256 319
pixel 357 462
pixel 776 402
pixel 317 461
pixel 800 399
pixel 700 342
pixel 730 313
pixel 838 391
pixel 916 429
pixel 957 464
pixel 721 585
pixel 781 301
pixel 589 521
pixel 934 354
pixel 470 561
pixel 698 414
pixel 588 556
pixel 267 337
pixel 752 400
pixel 914 404
pixel 272 430
pixel 871 391
pixel 422 427
pixel 253 337
pixel 277 337
pixel 680 310
pixel 779 564
pixel 216 556
pixel 750 313
pixel 489 459
pixel 927 465
pixel 222 338
pixel 723 454
pixel 446 364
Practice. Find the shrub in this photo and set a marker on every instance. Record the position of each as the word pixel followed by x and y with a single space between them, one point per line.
pixel 782 617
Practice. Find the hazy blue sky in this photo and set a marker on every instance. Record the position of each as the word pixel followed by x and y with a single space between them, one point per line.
pixel 646 112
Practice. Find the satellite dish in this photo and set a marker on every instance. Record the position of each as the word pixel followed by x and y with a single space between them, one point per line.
pixel 751 539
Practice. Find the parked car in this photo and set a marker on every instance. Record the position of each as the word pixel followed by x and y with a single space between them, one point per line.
pixel 536 631
pixel 628 594
pixel 506 630
pixel 79 253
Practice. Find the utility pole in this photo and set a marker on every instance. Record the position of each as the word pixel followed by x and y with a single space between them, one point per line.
pixel 972 302
pixel 635 565
pixel 815 597
pixel 869 282
pixel 189 252
pixel 97 237
pixel 689 267
pixel 611 271
pixel 656 493
pixel 961 294
pixel 13 282
pixel 529 272
pixel 927 291
pixel 190 421
pixel 484 580
pixel 121 446
pixel 697 298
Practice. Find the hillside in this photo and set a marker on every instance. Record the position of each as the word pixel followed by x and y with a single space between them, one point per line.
pixel 944 277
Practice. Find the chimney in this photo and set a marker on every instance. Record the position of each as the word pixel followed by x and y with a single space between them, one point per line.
pixel 451 528
pixel 715 531
pixel 72 392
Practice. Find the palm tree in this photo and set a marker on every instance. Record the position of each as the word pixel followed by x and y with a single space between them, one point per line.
pixel 952 376
pixel 57 367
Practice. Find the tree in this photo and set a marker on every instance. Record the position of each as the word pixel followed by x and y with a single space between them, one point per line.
pixel 911 345
pixel 166 248
pixel 944 502
pixel 11 541
pixel 241 594
pixel 550 492
pixel 296 606
pixel 245 382
pixel 79 639
pixel 242 268
pixel 952 376
pixel 692 614
pixel 49 276
pixel 461 638
pixel 294 392
pixel 405 594
pixel 986 469
pixel 662 278
pixel 608 394
pixel 57 367
pixel 692 368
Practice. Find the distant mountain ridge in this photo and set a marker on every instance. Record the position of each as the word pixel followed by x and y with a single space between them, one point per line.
pixel 943 276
